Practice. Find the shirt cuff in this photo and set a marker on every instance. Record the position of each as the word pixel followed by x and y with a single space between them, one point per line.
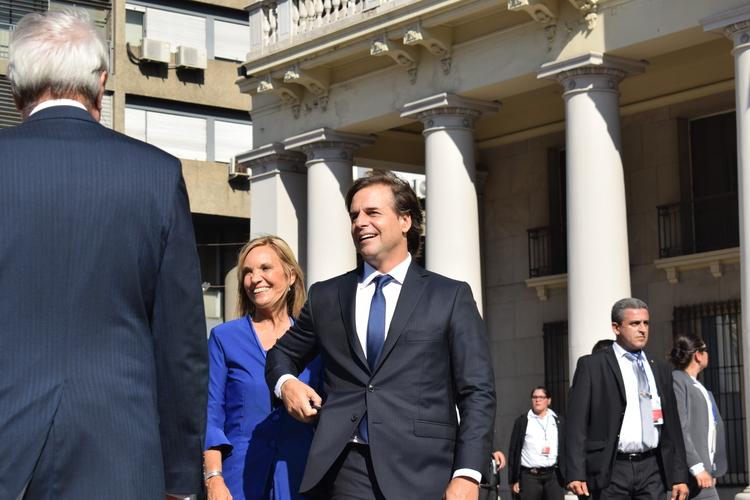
pixel 470 473
pixel 280 382
pixel 697 468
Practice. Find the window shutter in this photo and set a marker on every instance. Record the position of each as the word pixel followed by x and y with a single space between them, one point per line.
pixel 177 29
pixel 231 40
pixel 182 136
pixel 8 114
pixel 106 118
pixel 11 11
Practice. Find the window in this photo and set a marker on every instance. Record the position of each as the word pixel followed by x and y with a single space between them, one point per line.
pixel 9 116
pixel 556 378
pixel 223 34
pixel 707 218
pixel 191 133
pixel 719 326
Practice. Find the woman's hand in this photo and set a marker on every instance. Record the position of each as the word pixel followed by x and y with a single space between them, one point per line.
pixel 217 489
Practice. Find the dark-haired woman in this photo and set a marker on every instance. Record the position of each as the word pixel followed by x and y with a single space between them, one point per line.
pixel 702 426
pixel 253 450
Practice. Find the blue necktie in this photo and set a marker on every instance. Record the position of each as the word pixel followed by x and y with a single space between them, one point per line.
pixel 375 337
pixel 644 399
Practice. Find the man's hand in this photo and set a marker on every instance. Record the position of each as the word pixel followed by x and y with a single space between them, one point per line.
pixel 679 491
pixel 462 488
pixel 298 399
pixel 581 489
pixel 516 488
pixel 704 479
pixel 499 458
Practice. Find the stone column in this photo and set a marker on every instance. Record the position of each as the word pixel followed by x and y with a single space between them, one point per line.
pixel 330 250
pixel 597 232
pixel 452 232
pixel 735 24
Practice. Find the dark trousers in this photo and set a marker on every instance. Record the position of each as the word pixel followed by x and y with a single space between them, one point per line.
pixel 633 480
pixel 541 486
pixel 350 478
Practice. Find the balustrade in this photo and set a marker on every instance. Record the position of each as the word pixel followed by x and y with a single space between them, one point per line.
pixel 280 23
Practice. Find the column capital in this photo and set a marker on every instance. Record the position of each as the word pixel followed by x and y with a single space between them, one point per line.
pixel 326 144
pixel 591 71
pixel 271 159
pixel 446 110
pixel 734 24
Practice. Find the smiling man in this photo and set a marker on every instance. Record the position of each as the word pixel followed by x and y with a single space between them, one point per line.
pixel 402 348
pixel 623 438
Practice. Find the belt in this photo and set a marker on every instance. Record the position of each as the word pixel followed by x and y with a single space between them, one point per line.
pixel 537 471
pixel 636 457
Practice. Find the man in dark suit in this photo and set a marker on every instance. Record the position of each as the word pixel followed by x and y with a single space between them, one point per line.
pixel 402 349
pixel 103 362
pixel 623 435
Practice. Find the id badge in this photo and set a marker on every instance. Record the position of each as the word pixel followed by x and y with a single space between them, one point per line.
pixel 545 449
pixel 656 411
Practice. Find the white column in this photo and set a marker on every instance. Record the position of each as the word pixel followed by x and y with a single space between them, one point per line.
pixel 452 232
pixel 597 232
pixel 278 195
pixel 736 25
pixel 330 250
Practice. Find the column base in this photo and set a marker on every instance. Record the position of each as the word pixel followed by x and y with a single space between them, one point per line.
pixel 744 494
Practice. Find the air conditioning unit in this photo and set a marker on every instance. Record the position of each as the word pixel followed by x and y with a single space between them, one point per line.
pixel 190 57
pixel 155 51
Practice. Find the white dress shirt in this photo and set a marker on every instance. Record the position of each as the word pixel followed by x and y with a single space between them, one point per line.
pixel 57 102
pixel 631 440
pixel 696 469
pixel 541 435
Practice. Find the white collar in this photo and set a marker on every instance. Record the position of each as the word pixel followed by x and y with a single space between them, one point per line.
pixel 550 413
pixel 57 102
pixel 620 352
pixel 398 273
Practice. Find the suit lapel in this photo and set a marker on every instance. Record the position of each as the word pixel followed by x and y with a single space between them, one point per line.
pixel 609 355
pixel 411 291
pixel 347 294
pixel 655 372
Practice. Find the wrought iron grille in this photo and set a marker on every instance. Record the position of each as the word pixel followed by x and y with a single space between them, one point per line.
pixel 547 251
pixel 719 326
pixel 556 364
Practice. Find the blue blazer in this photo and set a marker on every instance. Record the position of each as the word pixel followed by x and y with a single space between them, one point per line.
pixel 264 449
pixel 103 359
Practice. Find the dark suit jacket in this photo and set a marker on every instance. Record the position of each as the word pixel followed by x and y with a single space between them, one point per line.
pixel 435 358
pixel 517 437
pixel 596 406
pixel 103 363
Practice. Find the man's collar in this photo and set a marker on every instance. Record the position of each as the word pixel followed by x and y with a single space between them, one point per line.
pixel 398 273
pixel 620 351
pixel 57 102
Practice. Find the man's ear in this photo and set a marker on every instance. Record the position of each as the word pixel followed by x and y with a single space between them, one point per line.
pixel 100 95
pixel 616 328
pixel 405 223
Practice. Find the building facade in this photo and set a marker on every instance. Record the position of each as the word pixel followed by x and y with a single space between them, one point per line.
pixel 172 71
pixel 575 152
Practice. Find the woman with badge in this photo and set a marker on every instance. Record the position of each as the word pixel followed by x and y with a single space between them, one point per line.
pixel 702 426
pixel 256 451
pixel 536 453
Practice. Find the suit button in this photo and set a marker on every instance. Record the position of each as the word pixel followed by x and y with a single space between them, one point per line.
pixel 371 388
pixel 354 417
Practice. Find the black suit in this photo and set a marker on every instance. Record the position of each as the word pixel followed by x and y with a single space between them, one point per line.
pixel 596 406
pixel 103 362
pixel 515 447
pixel 435 358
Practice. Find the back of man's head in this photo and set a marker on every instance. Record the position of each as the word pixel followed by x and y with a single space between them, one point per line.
pixel 55 55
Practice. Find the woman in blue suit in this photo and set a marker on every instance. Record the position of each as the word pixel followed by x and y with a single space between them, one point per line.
pixel 253 450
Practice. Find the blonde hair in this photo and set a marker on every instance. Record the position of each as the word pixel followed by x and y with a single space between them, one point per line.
pixel 295 296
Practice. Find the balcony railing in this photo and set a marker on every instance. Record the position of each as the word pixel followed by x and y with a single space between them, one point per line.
pixel 277 24
pixel 547 251
pixel 699 225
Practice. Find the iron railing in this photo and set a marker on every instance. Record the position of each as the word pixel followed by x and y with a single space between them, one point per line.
pixel 556 378
pixel 700 225
pixel 547 251
pixel 719 326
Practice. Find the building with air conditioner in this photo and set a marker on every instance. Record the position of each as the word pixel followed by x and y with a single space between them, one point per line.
pixel 575 152
pixel 172 71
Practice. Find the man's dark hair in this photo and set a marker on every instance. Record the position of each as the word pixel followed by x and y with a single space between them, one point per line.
pixel 405 202
pixel 618 309
pixel 601 345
